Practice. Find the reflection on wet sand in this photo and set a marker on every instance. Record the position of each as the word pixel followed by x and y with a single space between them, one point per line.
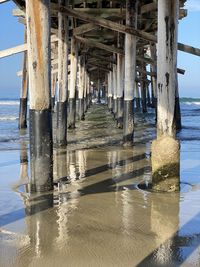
pixel 97 215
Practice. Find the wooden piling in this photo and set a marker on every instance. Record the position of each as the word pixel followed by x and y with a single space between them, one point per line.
pixel 81 65
pixel 114 90
pixel 85 91
pixel 166 150
pixel 39 66
pixel 61 129
pixel 130 69
pixel 110 92
pixel 153 69
pixel 53 90
pixel 120 90
pixel 24 92
pixel 73 77
pixel 99 91
pixel 137 97
pixel 143 87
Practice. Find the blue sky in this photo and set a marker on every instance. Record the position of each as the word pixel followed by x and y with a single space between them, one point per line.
pixel 11 34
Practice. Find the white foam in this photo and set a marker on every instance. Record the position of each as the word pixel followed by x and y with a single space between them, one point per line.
pixel 9 102
pixel 8 118
pixel 192 103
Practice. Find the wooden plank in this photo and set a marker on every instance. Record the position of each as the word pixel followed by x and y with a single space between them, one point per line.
pixel 84 28
pixel 103 58
pixel 92 43
pixel 124 29
pixel 148 8
pixel 20 48
pixel 99 66
pixel 12 51
pixel 189 49
pixel 103 12
pixel 4 1
pixel 18 13
pixel 108 24
pixel 153 62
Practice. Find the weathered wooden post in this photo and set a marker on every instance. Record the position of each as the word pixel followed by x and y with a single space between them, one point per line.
pixel 166 149
pixel 130 73
pixel 120 90
pixel 53 90
pixel 72 92
pixel 110 92
pixel 153 69
pixel 99 91
pixel 24 92
pixel 81 115
pixel 143 84
pixel 61 129
pixel 177 109
pixel 88 91
pixel 114 76
pixel 85 91
pixel 39 66
pixel 148 94
pixel 137 96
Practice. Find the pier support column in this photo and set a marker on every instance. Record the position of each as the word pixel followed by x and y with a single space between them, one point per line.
pixel 81 115
pixel 110 90
pixel 53 90
pixel 137 97
pixel 130 73
pixel 85 91
pixel 177 110
pixel 39 66
pixel 120 90
pixel 114 91
pixel 153 69
pixel 24 93
pixel 143 85
pixel 61 129
pixel 99 91
pixel 148 95
pixel 72 92
pixel 88 91
pixel 165 150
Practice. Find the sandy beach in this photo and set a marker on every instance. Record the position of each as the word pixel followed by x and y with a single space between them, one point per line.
pixel 98 214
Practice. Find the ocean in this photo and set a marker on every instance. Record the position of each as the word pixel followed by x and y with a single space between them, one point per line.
pixel 10 136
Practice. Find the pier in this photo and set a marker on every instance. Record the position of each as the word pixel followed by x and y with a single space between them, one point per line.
pixel 100 98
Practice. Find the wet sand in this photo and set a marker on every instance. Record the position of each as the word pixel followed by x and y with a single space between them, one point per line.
pixel 97 214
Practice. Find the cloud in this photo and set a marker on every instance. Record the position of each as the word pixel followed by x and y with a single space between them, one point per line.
pixel 193 5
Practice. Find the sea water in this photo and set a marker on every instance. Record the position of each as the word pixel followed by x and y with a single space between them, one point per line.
pixel 10 135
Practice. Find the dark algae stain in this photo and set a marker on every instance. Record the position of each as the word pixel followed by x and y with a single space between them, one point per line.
pixel 160 86
pixel 167 78
pixel 167 29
